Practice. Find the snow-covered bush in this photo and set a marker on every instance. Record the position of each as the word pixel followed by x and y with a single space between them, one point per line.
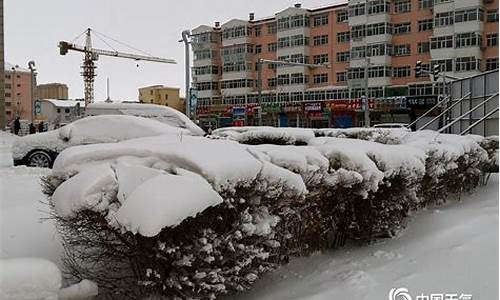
pixel 198 218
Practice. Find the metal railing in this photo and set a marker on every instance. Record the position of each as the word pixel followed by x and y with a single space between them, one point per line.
pixel 479 121
pixel 468 112
pixel 428 112
pixel 445 111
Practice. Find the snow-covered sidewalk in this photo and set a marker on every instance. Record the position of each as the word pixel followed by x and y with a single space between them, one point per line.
pixel 452 249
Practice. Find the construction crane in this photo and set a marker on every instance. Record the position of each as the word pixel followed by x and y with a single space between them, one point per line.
pixel 92 54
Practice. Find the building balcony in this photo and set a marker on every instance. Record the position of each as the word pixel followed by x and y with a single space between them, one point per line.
pixel 380 38
pixel 358 20
pixel 208 93
pixel 236 91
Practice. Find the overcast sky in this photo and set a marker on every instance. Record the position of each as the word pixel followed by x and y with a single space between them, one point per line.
pixel 33 29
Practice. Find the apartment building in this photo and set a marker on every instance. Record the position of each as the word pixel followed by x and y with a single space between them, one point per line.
pixel 52 91
pixel 365 43
pixel 162 95
pixel 17 93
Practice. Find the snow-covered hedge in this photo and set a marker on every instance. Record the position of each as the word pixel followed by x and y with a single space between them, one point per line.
pixel 198 218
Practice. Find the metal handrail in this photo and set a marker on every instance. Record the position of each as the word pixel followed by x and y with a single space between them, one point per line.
pixel 479 121
pixel 445 111
pixel 467 113
pixel 428 112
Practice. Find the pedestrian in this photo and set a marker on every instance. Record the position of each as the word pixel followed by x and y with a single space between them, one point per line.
pixel 41 127
pixel 209 131
pixel 17 126
pixel 32 128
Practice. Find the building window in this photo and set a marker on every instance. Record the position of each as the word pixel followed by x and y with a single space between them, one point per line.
pixel 443 19
pixel 320 40
pixel 467 64
pixel 320 59
pixel 356 73
pixel 420 89
pixel 446 65
pixel 491 64
pixel 423 47
pixel 258 49
pixel 284 42
pixel 166 96
pixel 342 56
pixel 492 15
pixel 235 32
pixel 236 84
pixel 271 82
pixel 470 39
pixel 66 110
pixel 358 52
pixel 402 28
pixel 298 78
pixel 469 15
pixel 342 16
pixel 343 37
pixel 272 47
pixel 320 78
pixel 342 76
pixel 379 71
pixel 442 42
pixel 378 28
pixel 378 49
pixel 284 79
pixel 424 25
pixel 357 32
pixel 321 20
pixel 357 10
pixel 492 40
pixel 402 6
pixel 402 50
pixel 400 72
pixel 378 7
pixel 258 31
pixel 271 28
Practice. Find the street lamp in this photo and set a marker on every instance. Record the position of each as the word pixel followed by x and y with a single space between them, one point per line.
pixel 367 105
pixel 185 38
pixel 31 66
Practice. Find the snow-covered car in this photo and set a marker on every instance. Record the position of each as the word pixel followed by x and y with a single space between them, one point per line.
pixel 164 114
pixel 41 149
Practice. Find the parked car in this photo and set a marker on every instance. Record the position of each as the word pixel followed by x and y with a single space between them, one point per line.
pixel 392 126
pixel 160 113
pixel 41 149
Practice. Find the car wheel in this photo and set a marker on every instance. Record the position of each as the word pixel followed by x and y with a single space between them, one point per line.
pixel 39 159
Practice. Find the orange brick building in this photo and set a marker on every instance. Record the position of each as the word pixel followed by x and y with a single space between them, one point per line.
pixel 390 36
pixel 17 93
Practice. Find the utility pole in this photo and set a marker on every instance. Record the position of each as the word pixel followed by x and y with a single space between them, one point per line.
pixel 366 101
pixel 3 116
pixel 31 66
pixel 185 38
pixel 259 88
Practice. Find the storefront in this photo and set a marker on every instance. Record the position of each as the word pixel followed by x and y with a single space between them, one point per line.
pixel 419 105
pixel 343 113
pixel 316 116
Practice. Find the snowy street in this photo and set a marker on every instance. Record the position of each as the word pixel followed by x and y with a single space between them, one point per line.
pixel 450 249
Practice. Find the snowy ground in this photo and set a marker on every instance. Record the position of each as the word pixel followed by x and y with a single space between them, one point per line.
pixel 452 249
pixel 24 233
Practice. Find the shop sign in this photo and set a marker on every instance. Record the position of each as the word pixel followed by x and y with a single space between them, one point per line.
pixel 239 111
pixel 288 108
pixel 421 101
pixel 312 106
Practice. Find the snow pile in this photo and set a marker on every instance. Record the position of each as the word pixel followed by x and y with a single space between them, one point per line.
pixel 199 217
pixel 29 279
pixel 266 135
pixel 6 141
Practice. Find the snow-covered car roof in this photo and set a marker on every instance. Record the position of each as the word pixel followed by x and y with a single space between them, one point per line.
pixel 160 113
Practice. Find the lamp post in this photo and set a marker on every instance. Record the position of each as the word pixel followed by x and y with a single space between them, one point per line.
pixel 185 38
pixel 367 105
pixel 31 66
